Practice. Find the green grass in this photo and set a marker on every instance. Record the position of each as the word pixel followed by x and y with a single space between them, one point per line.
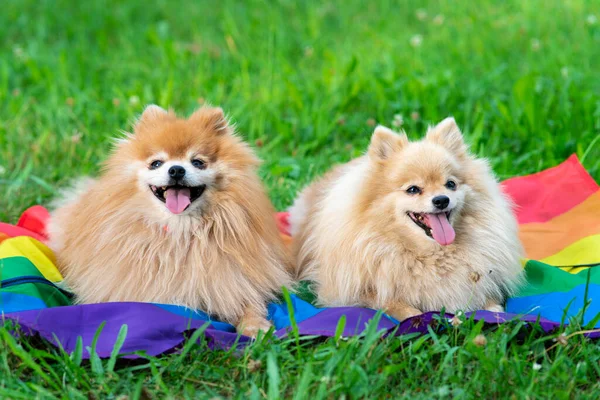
pixel 305 82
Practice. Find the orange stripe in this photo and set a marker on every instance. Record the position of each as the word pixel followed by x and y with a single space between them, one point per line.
pixel 545 239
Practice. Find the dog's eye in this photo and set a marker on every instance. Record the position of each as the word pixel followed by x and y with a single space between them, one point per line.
pixel 198 164
pixel 155 164
pixel 413 190
pixel 451 185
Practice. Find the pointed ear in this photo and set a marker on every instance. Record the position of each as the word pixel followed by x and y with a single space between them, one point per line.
pixel 448 135
pixel 152 113
pixel 385 143
pixel 212 118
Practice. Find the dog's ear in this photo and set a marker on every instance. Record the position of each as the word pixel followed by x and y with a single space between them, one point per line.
pixel 447 134
pixel 211 118
pixel 385 142
pixel 151 113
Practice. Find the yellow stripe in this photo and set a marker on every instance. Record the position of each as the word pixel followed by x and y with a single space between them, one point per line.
pixel 545 239
pixel 582 252
pixel 38 253
pixel 574 270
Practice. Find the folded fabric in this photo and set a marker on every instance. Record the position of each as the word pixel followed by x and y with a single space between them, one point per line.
pixel 559 222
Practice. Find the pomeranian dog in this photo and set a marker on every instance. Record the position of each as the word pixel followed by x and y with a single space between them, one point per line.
pixel 408 228
pixel 178 216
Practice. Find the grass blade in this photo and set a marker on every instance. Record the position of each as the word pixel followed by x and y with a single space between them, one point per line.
pixel 273 376
pixel 339 329
pixel 117 348
pixel 301 391
pixel 95 360
pixel 77 354
pixel 191 342
pixel 26 358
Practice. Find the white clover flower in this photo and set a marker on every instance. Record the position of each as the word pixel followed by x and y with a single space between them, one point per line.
pixel 536 366
pixel 455 321
pixel 416 40
pixel 591 19
pixel 398 121
pixel 535 44
pixel 421 14
pixel 438 19
pixel 2 170
pixel 564 71
pixel 134 100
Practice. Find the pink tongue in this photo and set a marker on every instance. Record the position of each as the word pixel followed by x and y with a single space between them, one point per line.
pixel 441 230
pixel 177 200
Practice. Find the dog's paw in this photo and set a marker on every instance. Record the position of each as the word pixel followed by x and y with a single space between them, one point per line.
pixel 405 313
pixel 251 326
pixel 495 308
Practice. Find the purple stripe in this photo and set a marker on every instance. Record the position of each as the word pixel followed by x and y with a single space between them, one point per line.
pixel 157 331
pixel 150 328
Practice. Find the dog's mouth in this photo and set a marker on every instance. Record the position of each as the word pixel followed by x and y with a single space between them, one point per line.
pixel 177 197
pixel 435 225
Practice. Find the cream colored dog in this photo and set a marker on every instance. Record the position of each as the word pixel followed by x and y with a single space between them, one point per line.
pixel 178 216
pixel 410 227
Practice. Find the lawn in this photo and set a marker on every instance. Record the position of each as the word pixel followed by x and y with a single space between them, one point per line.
pixel 305 82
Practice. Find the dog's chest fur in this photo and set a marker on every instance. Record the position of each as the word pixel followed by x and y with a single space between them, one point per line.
pixel 455 277
pixel 153 264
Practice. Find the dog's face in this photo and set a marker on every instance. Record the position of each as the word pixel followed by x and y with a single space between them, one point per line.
pixel 423 181
pixel 178 182
pixel 181 165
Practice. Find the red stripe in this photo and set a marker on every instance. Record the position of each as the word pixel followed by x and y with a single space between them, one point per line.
pixel 552 192
pixel 35 219
pixel 14 231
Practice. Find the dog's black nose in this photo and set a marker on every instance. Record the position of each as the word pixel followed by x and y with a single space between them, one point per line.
pixel 441 202
pixel 176 172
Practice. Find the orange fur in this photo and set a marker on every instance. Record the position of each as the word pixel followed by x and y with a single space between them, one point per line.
pixel 354 238
pixel 115 241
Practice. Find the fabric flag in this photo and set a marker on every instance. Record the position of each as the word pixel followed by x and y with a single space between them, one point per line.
pixel 559 219
pixel 559 223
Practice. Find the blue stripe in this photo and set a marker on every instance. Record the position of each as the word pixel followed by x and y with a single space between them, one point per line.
pixel 11 302
pixel 196 315
pixel 553 306
pixel 277 313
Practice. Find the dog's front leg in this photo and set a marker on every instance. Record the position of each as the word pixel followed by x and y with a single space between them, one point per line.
pixel 253 321
pixel 494 306
pixel 400 310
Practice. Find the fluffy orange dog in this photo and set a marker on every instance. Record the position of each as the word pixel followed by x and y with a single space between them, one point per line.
pixel 410 227
pixel 179 216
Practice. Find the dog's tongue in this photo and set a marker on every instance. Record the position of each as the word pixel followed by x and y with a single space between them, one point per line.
pixel 177 199
pixel 441 230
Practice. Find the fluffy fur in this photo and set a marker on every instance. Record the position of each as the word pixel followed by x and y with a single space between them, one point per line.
pixel 118 238
pixel 356 232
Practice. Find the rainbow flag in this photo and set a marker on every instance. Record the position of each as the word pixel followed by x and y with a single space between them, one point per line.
pixel 559 225
pixel 559 216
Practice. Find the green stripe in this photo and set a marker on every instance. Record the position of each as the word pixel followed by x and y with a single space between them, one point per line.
pixel 543 278
pixel 14 267
pixel 11 267
pixel 50 295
